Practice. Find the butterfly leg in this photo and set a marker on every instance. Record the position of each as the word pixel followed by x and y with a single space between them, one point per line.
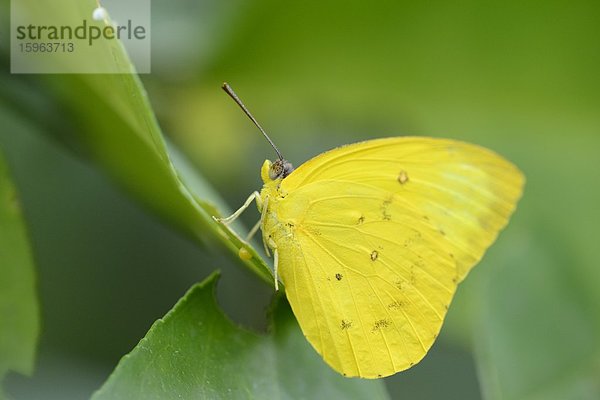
pixel 254 196
pixel 253 230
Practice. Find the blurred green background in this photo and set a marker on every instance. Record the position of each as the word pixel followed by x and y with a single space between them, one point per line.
pixel 522 78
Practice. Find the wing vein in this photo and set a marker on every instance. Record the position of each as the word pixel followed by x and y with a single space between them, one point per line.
pixel 323 311
pixel 433 278
pixel 345 267
pixel 311 303
pixel 349 155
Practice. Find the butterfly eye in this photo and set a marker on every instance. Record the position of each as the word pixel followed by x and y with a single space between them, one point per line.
pixel 280 169
pixel 287 168
pixel 276 170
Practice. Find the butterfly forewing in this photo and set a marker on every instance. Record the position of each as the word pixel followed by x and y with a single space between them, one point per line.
pixel 466 191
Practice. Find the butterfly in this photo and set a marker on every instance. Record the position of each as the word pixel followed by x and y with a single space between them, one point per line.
pixel 371 240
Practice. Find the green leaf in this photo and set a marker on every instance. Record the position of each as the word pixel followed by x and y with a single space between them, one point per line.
pixel 195 352
pixel 113 124
pixel 19 317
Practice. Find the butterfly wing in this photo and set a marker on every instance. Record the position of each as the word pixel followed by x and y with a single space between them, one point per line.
pixel 381 233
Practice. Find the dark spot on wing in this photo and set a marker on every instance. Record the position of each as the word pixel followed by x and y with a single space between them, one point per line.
pixel 361 220
pixel 312 229
pixel 339 276
pixel 413 238
pixel 384 208
pixel 395 305
pixel 401 284
pixel 402 177
pixel 346 324
pixel 412 278
pixel 381 324
pixel 374 255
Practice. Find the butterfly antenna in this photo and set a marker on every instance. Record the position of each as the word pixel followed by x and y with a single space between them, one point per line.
pixel 235 98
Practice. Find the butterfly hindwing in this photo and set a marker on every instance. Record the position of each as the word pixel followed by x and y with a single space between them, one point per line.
pixel 371 302
pixel 377 236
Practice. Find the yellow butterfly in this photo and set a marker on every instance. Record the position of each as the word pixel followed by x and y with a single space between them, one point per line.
pixel 371 240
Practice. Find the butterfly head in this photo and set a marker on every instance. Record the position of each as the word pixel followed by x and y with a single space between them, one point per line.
pixel 273 171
